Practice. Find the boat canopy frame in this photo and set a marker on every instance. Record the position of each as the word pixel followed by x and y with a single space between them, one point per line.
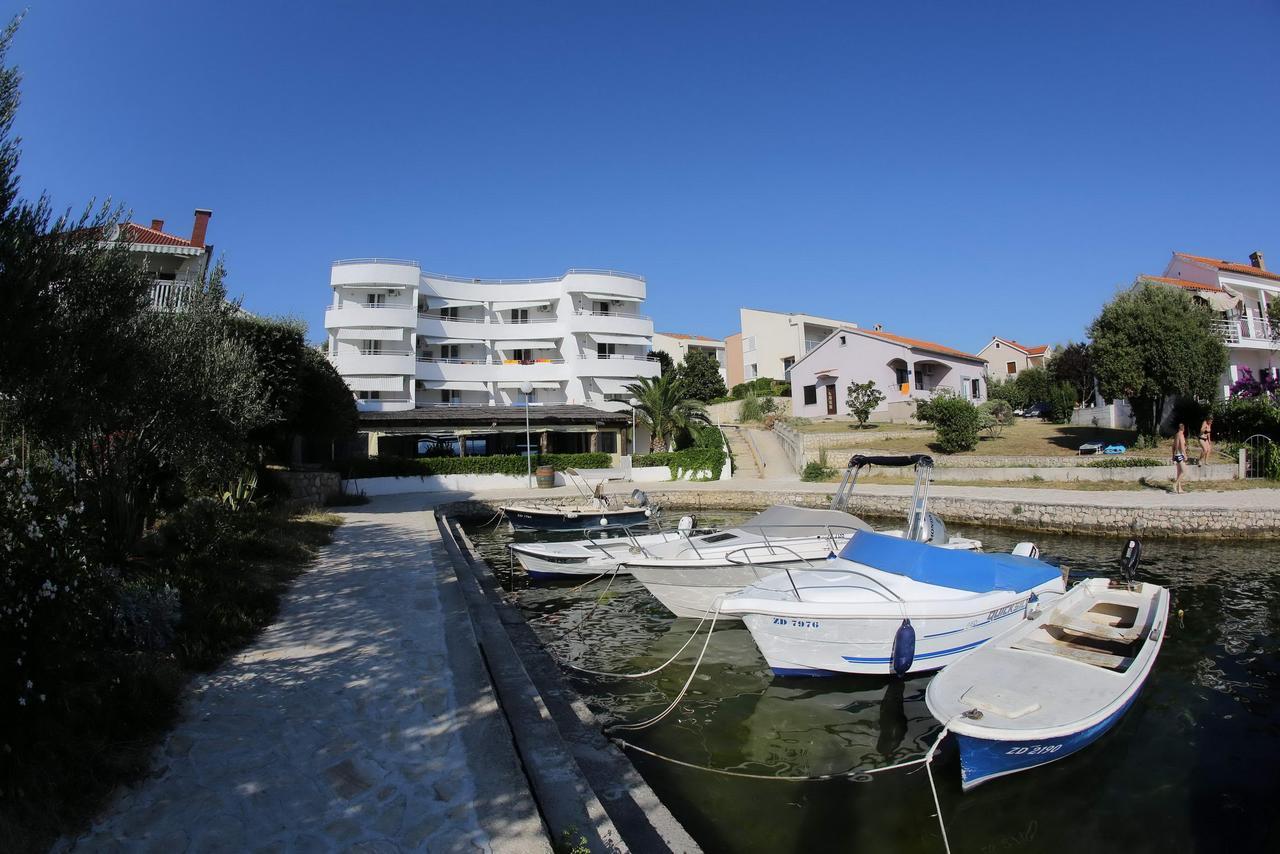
pixel 919 508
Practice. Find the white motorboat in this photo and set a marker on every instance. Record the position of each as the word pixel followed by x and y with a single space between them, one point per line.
pixel 592 556
pixel 689 576
pixel 1056 682
pixel 889 605
pixel 592 510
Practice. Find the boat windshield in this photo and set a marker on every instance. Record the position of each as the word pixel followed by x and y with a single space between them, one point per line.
pixel 783 521
pixel 976 572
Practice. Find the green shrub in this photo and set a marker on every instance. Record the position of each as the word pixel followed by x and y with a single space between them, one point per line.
pixel 750 410
pixel 925 407
pixel 996 415
pixel 1124 463
pixel 1239 418
pixel 955 421
pixel 1061 400
pixel 761 387
pixel 816 471
pixel 513 464
pixel 690 459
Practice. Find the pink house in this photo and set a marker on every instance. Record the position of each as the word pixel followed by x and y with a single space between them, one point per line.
pixel 903 369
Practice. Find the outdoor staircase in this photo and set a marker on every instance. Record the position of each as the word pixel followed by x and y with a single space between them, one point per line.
pixel 744 459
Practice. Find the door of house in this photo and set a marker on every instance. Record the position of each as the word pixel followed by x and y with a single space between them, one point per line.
pixel 831 400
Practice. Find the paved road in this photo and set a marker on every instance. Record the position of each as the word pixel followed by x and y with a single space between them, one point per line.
pixel 362 720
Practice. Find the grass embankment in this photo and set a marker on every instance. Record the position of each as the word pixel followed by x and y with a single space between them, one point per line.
pixel 1146 484
pixel 229 571
pixel 1025 438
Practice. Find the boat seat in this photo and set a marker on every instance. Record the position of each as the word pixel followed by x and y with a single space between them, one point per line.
pixel 1075 653
pixel 1004 702
pixel 1078 624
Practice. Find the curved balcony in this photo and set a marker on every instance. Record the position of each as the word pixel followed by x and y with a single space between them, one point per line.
pixel 373 272
pixel 616 323
pixel 616 366
pixel 384 405
pixel 437 327
pixel 356 315
pixel 547 370
pixel 374 363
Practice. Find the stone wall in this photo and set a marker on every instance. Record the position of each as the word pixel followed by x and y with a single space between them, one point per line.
pixel 308 488
pixel 996 513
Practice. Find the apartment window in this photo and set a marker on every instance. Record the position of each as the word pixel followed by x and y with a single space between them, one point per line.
pixel 606 351
pixel 786 366
pixel 749 344
pixel 903 376
pixel 450 351
pixel 751 372
pixel 522 355
pixel 977 390
pixel 369 395
pixel 600 307
pixel 519 315
pixel 608 441
pixel 449 313
pixel 843 340
pixel 448 395
pixel 370 348
pixel 811 395
pixel 1011 367
pixel 375 300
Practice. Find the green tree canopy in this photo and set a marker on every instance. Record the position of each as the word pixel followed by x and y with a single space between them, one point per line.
pixel 664 406
pixel 1152 343
pixel 862 399
pixel 664 360
pixel 701 374
pixel 1072 364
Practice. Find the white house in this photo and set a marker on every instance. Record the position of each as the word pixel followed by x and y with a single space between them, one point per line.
pixel 772 341
pixel 1240 294
pixel 402 338
pixel 174 263
pixel 1007 358
pixel 677 345
pixel 903 369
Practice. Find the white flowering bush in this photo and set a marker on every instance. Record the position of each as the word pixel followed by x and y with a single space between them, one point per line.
pixel 51 589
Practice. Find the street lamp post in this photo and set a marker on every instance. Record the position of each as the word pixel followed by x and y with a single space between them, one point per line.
pixel 633 403
pixel 526 388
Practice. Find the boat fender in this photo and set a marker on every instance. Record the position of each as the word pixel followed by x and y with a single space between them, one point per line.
pixel 831 555
pixel 648 513
pixel 685 524
pixel 603 521
pixel 904 648
pixel 1026 550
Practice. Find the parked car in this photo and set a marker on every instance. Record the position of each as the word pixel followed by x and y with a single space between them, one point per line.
pixel 1036 410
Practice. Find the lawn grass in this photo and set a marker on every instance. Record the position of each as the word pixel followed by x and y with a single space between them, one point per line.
pixel 118 702
pixel 1027 437
pixel 1157 484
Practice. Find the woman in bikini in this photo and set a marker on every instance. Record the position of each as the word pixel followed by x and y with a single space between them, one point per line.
pixel 1179 456
pixel 1206 441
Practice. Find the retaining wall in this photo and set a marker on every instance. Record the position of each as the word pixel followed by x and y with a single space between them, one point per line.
pixel 308 488
pixel 1189 522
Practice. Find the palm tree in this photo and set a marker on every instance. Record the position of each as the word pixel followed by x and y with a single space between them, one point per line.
pixel 664 406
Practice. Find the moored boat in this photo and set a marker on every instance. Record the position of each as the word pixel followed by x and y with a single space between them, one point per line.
pixel 592 556
pixel 1054 683
pixel 888 605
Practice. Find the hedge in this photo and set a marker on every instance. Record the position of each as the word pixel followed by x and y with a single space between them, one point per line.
pixel 1124 463
pixel 690 459
pixel 513 464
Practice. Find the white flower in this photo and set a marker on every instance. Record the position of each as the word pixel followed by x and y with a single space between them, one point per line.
pixel 22 701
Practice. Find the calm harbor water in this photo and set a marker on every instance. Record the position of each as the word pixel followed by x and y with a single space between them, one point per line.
pixel 1194 766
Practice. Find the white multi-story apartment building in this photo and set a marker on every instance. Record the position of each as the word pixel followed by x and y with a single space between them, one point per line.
pixel 772 341
pixel 402 338
pixel 1241 294
pixel 677 345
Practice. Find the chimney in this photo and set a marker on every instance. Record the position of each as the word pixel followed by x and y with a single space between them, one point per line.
pixel 200 226
pixel 157 225
pixel 1257 260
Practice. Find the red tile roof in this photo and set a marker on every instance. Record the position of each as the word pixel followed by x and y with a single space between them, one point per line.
pixel 131 232
pixel 915 342
pixel 1229 266
pixel 681 335
pixel 1181 283
pixel 1038 350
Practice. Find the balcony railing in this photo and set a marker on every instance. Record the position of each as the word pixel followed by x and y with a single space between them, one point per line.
pixel 454 361
pixel 496 321
pixel 370 305
pixel 643 358
pixel 432 315
pixel 582 312
pixel 170 295
pixel 1242 329
pixel 572 270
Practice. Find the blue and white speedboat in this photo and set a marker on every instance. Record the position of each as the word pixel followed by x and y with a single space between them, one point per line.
pixel 1054 683
pixel 889 605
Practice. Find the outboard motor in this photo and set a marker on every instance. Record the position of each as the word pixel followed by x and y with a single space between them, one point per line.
pixel 639 498
pixel 904 648
pixel 932 530
pixel 1130 557
pixel 686 523
pixel 1027 550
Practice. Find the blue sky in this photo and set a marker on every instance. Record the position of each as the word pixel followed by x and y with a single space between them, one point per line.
pixel 949 170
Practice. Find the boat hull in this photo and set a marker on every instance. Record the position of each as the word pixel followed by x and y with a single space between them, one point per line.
pixel 574 520
pixel 693 591
pixel 824 646
pixel 983 759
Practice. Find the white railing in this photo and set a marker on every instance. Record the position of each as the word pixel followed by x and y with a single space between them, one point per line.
pixel 375 305
pixel 454 361
pixel 397 261
pixel 495 321
pixel 444 277
pixel 1240 329
pixel 616 356
pixel 582 312
pixel 370 351
pixel 429 315
pixel 170 294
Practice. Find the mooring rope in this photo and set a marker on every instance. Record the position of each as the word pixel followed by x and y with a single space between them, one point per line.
pixel 659 668
pixel 928 768
pixel 856 775
pixel 684 689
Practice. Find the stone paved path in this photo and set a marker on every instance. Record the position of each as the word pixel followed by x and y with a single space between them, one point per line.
pixel 361 720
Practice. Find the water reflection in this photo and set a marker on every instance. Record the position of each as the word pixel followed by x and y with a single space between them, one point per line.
pixel 1190 768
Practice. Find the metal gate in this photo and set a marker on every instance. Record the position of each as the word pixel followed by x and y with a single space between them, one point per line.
pixel 1258 453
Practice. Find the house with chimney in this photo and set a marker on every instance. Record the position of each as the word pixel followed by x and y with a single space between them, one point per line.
pixel 1007 358
pixel 1240 296
pixel 173 262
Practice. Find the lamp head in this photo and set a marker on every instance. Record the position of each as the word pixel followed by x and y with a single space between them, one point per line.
pixel 526 387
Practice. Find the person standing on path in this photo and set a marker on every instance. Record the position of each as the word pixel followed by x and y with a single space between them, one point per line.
pixel 1206 440
pixel 1179 456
